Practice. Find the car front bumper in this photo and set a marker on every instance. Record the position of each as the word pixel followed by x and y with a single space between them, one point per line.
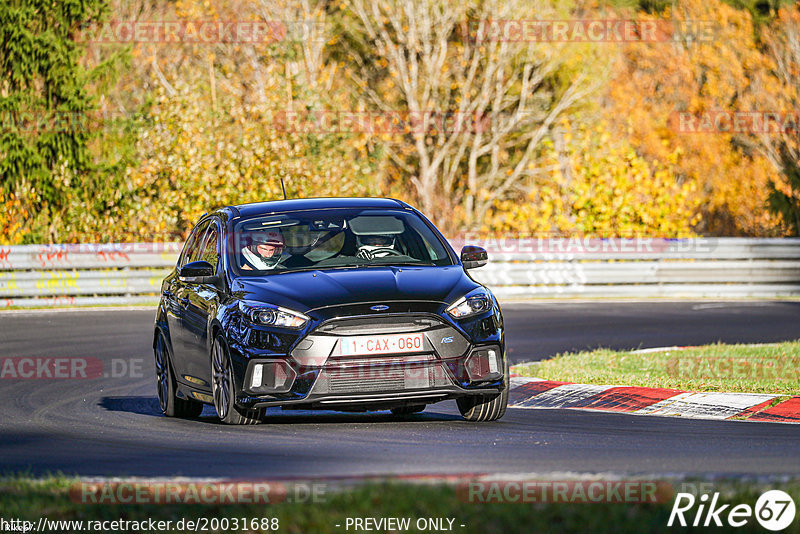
pixel 315 374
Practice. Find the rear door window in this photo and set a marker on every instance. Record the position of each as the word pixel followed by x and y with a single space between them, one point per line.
pixel 193 244
pixel 209 251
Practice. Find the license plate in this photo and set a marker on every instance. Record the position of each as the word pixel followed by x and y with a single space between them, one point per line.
pixel 387 344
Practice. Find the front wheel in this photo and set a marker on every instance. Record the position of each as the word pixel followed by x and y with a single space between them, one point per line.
pixel 485 407
pixel 224 390
pixel 171 405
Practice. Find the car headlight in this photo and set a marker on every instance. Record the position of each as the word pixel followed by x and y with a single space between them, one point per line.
pixel 471 304
pixel 275 316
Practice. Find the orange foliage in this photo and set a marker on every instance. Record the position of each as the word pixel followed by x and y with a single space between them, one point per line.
pixel 719 71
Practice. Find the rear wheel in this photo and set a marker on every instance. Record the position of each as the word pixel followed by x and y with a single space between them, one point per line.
pixel 408 410
pixel 485 407
pixel 171 405
pixel 224 390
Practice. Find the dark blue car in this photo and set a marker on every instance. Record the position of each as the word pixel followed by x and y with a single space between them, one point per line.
pixel 337 304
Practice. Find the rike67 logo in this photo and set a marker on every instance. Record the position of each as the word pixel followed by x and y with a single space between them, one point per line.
pixel 774 510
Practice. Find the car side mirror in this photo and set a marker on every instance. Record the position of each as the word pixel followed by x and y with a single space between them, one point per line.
pixel 197 272
pixel 473 257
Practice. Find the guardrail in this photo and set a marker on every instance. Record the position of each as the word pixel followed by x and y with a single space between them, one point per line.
pixel 129 273
pixel 640 267
pixel 84 274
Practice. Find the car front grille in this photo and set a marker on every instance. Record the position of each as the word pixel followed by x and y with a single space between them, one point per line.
pixel 379 324
pixel 370 379
pixel 350 382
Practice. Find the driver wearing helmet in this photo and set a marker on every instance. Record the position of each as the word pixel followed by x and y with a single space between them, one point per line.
pixel 376 246
pixel 263 251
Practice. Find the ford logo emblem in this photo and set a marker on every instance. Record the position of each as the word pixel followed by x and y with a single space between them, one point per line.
pixel 379 307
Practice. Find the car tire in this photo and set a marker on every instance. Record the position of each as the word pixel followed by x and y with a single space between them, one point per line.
pixel 407 410
pixel 224 389
pixel 479 408
pixel 171 405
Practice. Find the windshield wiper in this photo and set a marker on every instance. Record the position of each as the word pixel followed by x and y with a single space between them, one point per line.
pixel 317 268
pixel 406 264
pixel 352 266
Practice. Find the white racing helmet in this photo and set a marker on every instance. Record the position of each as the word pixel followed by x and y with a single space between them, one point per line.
pixel 272 238
pixel 375 246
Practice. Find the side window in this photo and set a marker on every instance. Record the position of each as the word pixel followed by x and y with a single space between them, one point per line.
pixel 192 244
pixel 209 252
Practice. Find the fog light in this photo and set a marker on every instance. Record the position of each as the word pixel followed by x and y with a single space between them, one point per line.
pixel 493 363
pixel 258 373
pixel 271 377
pixel 483 364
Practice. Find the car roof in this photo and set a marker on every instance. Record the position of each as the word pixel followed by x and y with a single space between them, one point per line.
pixel 301 204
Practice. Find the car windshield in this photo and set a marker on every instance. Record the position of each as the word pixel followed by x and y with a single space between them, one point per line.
pixel 340 238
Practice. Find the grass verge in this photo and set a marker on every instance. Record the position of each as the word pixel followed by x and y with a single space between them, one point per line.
pixel 30 499
pixel 771 368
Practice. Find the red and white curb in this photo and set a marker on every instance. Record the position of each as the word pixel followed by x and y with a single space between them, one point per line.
pixel 548 394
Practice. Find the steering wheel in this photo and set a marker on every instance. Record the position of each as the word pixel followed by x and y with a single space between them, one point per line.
pixel 370 254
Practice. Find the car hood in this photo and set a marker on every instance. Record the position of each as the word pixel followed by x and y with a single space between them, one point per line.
pixel 307 290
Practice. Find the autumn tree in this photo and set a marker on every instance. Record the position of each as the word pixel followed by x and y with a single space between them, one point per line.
pixel 46 102
pixel 780 95
pixel 707 69
pixel 599 186
pixel 485 133
pixel 422 57
pixel 212 135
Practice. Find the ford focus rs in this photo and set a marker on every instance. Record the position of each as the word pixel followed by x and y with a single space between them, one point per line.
pixel 335 304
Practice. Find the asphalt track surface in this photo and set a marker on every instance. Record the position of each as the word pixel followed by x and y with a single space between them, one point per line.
pixel 111 426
